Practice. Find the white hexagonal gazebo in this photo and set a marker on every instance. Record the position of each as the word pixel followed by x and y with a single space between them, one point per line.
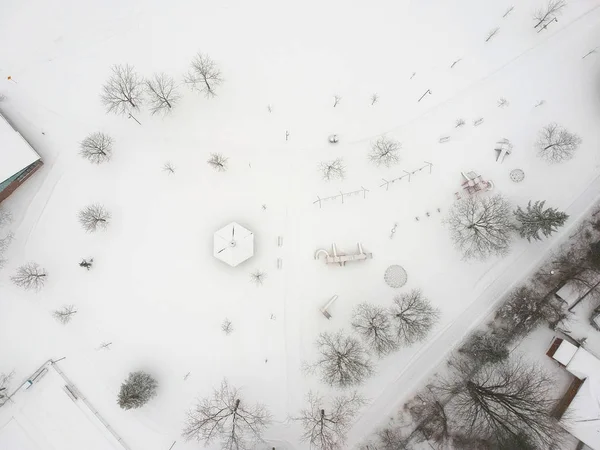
pixel 233 244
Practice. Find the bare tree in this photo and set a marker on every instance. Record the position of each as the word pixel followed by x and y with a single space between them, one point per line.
pixel 123 92
pixel 204 75
pixel 485 347
pixel 429 413
pixel 227 417
pixel 336 100
pixel 374 99
pixel 384 151
pixel 413 317
pixel 549 12
pixel 30 276
pixel 459 123
pixel 374 326
pixel 556 144
pixel 332 170
pixel 525 309
pixel 65 314
pixel 227 326
pixel 218 162
pixel 94 217
pixel 163 93
pixel 481 226
pixel 97 147
pixel 325 426
pixel 342 360
pixel 392 438
pixel 258 277
pixel 502 402
pixel 169 168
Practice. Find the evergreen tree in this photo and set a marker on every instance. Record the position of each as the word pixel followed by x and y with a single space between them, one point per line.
pixel 536 219
pixel 137 390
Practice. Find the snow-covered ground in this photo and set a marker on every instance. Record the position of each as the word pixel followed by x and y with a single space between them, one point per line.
pixel 157 293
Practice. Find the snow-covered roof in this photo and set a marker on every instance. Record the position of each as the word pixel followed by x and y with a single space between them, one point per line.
pixel 583 414
pixel 565 352
pixel 569 293
pixel 15 152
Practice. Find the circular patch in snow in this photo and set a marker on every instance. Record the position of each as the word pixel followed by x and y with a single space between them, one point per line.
pixel 517 175
pixel 395 276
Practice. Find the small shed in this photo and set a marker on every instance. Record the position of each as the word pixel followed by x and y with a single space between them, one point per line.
pixel 18 160
pixel 569 293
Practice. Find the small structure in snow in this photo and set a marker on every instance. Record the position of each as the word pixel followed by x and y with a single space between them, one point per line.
pixel 333 139
pixel 475 183
pixel 233 244
pixel 517 175
pixel 342 258
pixel 329 303
pixel 395 276
pixel 569 294
pixel 503 147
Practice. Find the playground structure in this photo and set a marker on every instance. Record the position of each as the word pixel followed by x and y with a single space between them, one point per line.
pixel 475 183
pixel 503 147
pixel 342 258
pixel 327 305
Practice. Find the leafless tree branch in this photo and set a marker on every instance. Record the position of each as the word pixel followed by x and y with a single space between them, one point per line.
pixel 123 92
pixel 97 147
pixel 373 324
pixel 325 426
pixel 333 170
pixel 227 417
pixel 384 151
pixel 481 226
pixel 413 317
pixel 162 91
pixel 94 217
pixel 342 360
pixel 204 75
pixel 30 276
pixel 556 144
pixel 218 162
pixel 64 315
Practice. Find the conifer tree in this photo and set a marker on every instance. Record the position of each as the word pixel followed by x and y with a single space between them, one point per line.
pixel 137 390
pixel 536 219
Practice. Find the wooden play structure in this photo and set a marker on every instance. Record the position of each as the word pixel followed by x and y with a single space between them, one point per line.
pixel 475 183
pixel 341 258
pixel 329 303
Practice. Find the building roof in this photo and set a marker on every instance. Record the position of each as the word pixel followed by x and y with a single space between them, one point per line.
pixel 582 417
pixel 15 152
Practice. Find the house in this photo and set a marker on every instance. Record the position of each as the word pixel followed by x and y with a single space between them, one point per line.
pixel 18 161
pixel 580 406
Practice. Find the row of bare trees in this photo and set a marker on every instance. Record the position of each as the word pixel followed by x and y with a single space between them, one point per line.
pixel 483 226
pixel 126 91
pixel 489 399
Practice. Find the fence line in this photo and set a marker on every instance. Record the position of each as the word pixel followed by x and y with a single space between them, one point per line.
pixel 90 407
pixel 387 183
pixel 341 195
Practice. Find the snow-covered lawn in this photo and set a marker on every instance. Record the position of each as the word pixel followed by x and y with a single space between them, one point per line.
pixel 156 291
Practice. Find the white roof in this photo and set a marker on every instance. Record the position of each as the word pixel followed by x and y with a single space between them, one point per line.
pixel 233 244
pixel 15 153
pixel 565 352
pixel 569 293
pixel 583 414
